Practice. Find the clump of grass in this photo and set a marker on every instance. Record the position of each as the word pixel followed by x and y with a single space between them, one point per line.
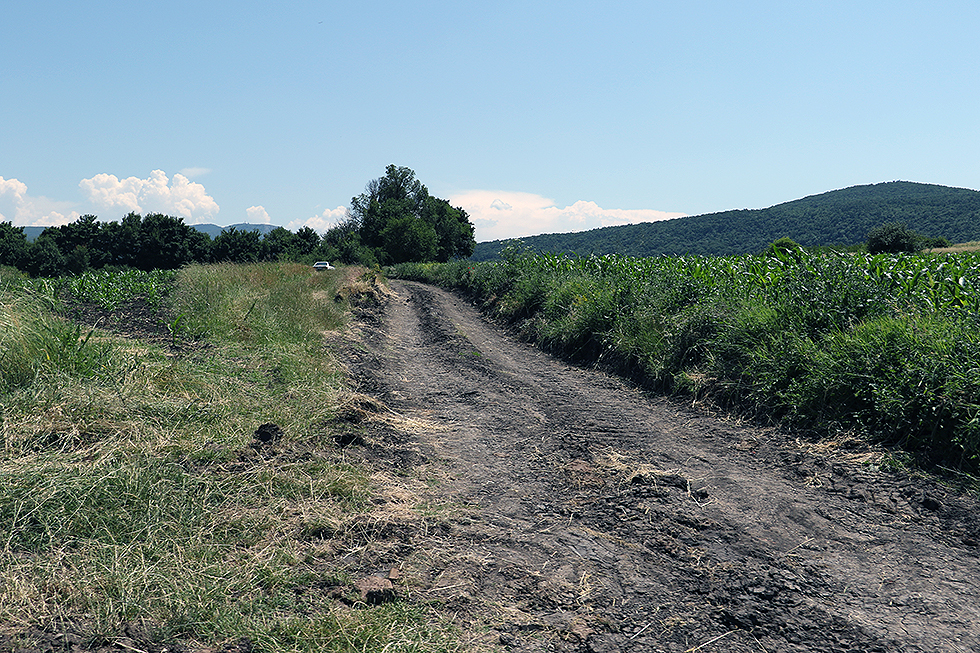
pixel 34 342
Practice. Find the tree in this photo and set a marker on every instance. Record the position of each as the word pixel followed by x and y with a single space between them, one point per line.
pixel 306 242
pixel 453 229
pixel 13 245
pixel 408 238
pixel 44 259
pixel 79 242
pixel 892 238
pixel 399 221
pixel 164 243
pixel 119 242
pixel 278 244
pixel 235 246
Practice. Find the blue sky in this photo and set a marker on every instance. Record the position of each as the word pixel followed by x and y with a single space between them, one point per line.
pixel 535 117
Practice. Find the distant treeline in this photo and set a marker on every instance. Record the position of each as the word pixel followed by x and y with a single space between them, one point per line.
pixel 393 221
pixel 837 218
pixel 150 242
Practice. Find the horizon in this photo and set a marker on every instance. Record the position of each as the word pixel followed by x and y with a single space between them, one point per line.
pixel 544 118
pixel 532 235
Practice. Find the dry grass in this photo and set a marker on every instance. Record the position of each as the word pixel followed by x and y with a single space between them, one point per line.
pixel 958 248
pixel 134 492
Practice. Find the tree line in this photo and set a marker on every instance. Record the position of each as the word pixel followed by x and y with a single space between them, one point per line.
pixel 150 242
pixel 395 220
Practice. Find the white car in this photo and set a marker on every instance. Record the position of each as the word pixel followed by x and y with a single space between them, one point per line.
pixel 322 265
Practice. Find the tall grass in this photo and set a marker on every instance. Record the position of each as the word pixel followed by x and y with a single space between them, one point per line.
pixel 132 493
pixel 885 345
pixel 33 342
pixel 256 304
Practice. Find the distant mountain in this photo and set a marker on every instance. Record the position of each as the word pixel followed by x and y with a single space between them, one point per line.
pixel 839 217
pixel 213 229
pixel 210 229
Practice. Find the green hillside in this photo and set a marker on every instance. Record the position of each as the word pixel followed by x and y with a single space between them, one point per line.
pixel 840 217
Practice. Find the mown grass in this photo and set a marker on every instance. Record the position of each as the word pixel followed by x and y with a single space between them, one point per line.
pixel 132 493
pixel 887 347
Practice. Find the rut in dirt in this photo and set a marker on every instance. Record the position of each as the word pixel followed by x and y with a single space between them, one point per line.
pixel 597 518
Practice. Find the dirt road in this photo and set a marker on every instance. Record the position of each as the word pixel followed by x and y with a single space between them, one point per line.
pixel 585 516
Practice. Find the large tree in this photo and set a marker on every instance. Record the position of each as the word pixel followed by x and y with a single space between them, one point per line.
pixel 396 220
pixel 13 245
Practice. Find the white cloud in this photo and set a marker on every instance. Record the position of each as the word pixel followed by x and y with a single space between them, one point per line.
pixel 498 215
pixel 190 173
pixel 155 194
pixel 257 215
pixel 320 223
pixel 21 209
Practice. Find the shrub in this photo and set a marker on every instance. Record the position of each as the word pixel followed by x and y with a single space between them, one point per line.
pixel 892 238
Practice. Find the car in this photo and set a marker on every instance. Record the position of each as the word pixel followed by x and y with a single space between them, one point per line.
pixel 322 265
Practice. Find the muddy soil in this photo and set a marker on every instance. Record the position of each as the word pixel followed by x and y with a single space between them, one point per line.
pixel 577 513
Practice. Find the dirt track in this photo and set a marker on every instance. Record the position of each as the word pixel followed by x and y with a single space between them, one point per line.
pixel 590 517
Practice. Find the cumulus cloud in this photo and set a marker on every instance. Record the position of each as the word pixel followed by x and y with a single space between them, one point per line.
pixel 498 215
pixel 155 194
pixel 257 215
pixel 322 222
pixel 21 209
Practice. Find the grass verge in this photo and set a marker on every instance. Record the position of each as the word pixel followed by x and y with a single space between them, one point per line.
pixel 187 488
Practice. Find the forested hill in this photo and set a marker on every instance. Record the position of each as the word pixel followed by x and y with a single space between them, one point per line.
pixel 840 217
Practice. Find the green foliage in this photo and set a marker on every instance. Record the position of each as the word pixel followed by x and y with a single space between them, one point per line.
pixel 883 344
pixel 44 259
pixel 256 304
pixel 154 242
pixel 396 220
pixel 13 245
pixel 892 238
pixel 34 343
pixel 232 245
pixel 111 288
pixel 783 248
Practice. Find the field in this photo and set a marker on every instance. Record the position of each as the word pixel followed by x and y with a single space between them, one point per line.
pixel 884 347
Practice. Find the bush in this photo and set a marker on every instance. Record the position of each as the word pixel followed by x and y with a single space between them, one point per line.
pixel 892 238
pixel 783 248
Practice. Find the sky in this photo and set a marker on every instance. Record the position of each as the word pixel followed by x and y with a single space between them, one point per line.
pixel 533 116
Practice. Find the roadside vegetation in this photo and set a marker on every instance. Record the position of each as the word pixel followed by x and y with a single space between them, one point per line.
pixel 884 346
pixel 177 488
